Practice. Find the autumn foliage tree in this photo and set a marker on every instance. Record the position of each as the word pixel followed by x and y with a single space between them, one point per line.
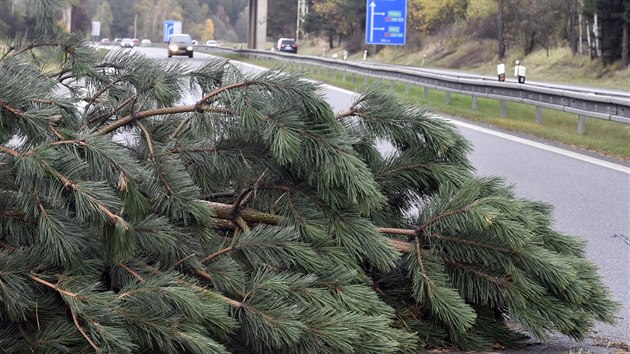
pixel 256 219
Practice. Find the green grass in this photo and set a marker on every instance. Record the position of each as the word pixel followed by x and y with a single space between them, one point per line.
pixel 559 65
pixel 604 137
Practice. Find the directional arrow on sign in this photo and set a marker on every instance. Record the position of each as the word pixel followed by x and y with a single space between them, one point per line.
pixel 372 14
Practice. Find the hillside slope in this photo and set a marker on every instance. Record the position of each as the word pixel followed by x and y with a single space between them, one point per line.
pixel 558 65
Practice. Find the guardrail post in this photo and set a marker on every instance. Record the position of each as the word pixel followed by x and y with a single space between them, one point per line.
pixel 343 77
pixel 448 97
pixel 581 124
pixel 538 114
pixel 503 109
pixel 335 74
pixel 425 92
pixel 354 77
pixel 319 70
pixel 365 80
pixel 392 84
pixel 406 88
pixel 475 103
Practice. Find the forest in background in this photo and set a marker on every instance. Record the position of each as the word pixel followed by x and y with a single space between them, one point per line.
pixel 203 19
pixel 598 28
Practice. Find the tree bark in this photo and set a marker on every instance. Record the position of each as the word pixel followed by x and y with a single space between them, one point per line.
pixel 624 44
pixel 589 41
pixel 573 37
pixel 500 30
pixel 580 40
pixel 224 214
pixel 596 34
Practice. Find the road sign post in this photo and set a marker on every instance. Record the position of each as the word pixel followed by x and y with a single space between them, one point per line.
pixel 386 22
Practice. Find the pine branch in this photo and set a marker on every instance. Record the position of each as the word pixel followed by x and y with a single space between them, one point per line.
pixel 83 333
pixel 91 100
pixel 212 256
pixel 446 214
pixel 8 246
pixel 224 211
pixel 198 288
pixel 172 110
pixel 76 187
pixel 231 302
pixel 147 137
pixel 31 46
pixel 77 142
pixel 13 110
pixel 225 88
pixel 24 334
pixel 245 196
pixel 9 50
pixel 41 100
pixel 200 109
pixel 352 112
pixel 103 117
pixel 9 151
pixel 180 128
pixel 130 271
pixel 423 270
pixel 145 114
pixel 503 282
pixel 474 243
pixel 378 176
pixel 178 150
pixel 54 286
pixel 183 260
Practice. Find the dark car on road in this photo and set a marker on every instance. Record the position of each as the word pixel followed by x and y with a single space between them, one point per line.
pixel 180 44
pixel 287 45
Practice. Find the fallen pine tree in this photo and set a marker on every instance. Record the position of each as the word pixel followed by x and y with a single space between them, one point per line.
pixel 256 219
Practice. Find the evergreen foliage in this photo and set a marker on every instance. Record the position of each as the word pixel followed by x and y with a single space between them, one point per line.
pixel 256 219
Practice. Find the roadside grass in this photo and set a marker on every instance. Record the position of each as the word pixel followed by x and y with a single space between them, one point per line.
pixel 558 65
pixel 611 139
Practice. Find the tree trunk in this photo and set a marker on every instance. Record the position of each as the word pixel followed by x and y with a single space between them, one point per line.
pixel 589 41
pixel 331 43
pixel 573 38
pixel 596 31
pixel 500 30
pixel 580 46
pixel 624 44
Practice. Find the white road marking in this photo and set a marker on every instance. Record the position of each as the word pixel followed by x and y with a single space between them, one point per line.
pixel 557 150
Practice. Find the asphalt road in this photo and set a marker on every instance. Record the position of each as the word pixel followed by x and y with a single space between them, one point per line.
pixel 591 196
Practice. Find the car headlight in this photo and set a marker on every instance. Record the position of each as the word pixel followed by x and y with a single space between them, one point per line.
pixel 172 48
pixel 189 48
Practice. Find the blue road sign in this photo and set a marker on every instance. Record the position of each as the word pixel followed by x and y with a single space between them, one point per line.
pixel 386 22
pixel 171 27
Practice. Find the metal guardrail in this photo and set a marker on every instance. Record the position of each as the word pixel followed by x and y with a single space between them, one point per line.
pixel 607 105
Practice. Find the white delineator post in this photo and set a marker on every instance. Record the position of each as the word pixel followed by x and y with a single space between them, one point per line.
pixel 501 72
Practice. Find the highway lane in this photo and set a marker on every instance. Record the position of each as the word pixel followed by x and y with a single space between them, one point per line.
pixel 591 197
